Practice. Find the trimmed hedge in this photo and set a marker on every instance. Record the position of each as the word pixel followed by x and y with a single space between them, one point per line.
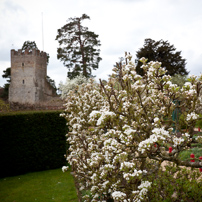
pixel 31 142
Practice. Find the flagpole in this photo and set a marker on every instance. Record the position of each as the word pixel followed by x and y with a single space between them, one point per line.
pixel 42 33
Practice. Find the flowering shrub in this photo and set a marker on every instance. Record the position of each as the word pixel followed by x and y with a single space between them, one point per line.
pixel 175 184
pixel 119 135
pixel 71 84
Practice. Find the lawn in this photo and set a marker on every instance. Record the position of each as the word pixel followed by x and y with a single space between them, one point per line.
pixel 45 186
pixel 196 149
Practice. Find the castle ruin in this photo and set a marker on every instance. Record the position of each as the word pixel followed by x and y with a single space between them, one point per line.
pixel 28 78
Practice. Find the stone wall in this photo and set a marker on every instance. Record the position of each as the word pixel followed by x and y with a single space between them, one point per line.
pixel 28 78
pixel 55 104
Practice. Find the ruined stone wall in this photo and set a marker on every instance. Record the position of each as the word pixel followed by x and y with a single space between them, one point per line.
pixel 50 92
pixel 28 76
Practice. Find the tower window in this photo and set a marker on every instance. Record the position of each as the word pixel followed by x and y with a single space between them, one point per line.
pixel 23 64
pixel 23 81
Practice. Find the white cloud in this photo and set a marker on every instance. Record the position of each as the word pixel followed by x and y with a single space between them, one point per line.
pixel 122 25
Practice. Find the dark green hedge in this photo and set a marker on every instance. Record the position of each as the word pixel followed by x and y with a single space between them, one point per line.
pixel 31 142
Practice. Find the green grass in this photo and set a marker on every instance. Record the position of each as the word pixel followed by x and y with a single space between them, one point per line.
pixel 185 155
pixel 45 186
pixel 199 123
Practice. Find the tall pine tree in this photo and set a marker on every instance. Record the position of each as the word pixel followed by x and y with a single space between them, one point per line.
pixel 78 48
pixel 163 52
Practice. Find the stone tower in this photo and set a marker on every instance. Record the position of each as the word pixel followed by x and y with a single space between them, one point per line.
pixel 28 77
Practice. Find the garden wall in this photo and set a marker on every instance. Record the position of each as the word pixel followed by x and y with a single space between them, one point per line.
pixel 31 142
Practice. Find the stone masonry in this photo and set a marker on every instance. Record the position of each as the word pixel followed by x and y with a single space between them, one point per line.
pixel 28 78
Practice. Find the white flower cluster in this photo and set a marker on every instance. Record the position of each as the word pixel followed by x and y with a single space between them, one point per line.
pixel 140 194
pixel 104 115
pixel 189 89
pixel 100 116
pixel 65 168
pixel 71 84
pixel 169 84
pixel 177 141
pixel 126 165
pixel 199 139
pixel 144 188
pixel 158 135
pixel 118 196
pixel 135 173
pixel 192 116
pixel 115 128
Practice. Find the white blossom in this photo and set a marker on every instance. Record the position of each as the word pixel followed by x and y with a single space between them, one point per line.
pixel 156 119
pixel 113 126
pixel 158 134
pixel 177 141
pixel 65 168
pixel 71 84
pixel 118 195
pixel 192 116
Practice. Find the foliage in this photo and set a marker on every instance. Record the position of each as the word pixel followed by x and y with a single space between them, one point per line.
pixel 178 79
pixel 7 75
pixel 163 52
pixel 71 84
pixel 77 47
pixel 5 93
pixel 185 155
pixel 173 184
pixel 119 137
pixel 199 123
pixel 36 141
pixel 50 185
pixel 29 45
pixel 3 106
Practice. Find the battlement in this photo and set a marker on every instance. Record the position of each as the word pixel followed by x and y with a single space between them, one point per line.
pixel 28 77
pixel 33 52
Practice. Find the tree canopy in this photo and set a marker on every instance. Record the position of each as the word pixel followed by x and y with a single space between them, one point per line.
pixel 7 74
pixel 179 79
pixel 163 52
pixel 29 45
pixel 78 47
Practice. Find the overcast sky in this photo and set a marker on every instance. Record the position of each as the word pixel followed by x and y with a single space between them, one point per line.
pixel 122 25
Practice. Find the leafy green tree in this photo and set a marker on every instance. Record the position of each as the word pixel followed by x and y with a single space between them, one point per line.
pixel 29 45
pixel 179 79
pixel 6 75
pixel 77 48
pixel 163 52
